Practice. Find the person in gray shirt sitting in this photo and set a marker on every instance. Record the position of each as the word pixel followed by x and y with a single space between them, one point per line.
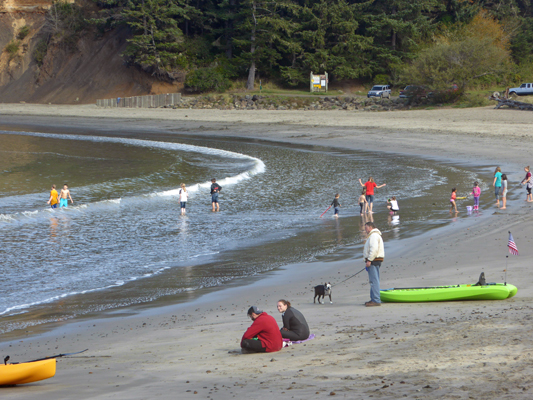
pixel 294 324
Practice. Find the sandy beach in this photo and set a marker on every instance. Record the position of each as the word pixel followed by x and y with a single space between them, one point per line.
pixel 459 350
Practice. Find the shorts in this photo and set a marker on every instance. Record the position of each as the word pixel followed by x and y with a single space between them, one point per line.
pixel 183 204
pixel 54 205
pixel 504 194
pixel 369 198
pixel 361 205
pixel 336 210
pixel 214 198
pixel 528 190
pixel 63 203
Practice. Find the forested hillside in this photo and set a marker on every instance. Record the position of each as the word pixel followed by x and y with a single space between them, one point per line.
pixel 283 40
pixel 210 44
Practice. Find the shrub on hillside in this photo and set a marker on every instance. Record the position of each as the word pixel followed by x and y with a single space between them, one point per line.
pixel 465 55
pixel 445 96
pixel 40 52
pixel 12 48
pixel 381 79
pixel 64 23
pixel 208 79
pixel 23 32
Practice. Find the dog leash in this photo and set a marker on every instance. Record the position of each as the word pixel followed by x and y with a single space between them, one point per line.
pixel 350 277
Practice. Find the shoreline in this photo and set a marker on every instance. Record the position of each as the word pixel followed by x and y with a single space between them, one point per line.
pixel 444 134
pixel 454 348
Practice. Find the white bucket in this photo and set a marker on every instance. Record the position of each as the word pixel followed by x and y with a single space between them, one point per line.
pixel 469 209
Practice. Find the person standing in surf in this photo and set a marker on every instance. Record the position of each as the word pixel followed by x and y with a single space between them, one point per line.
pixel 370 185
pixel 453 205
pixel 504 192
pixel 528 181
pixel 374 254
pixel 336 205
pixel 362 202
pixel 184 195
pixel 64 195
pixel 497 183
pixel 476 192
pixel 53 201
pixel 215 190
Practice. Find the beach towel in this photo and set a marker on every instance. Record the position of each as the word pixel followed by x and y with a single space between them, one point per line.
pixel 287 342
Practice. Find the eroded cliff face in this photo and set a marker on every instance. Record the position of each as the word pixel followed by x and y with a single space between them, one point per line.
pixel 17 6
pixel 92 69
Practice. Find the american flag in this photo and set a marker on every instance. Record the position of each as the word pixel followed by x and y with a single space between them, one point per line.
pixel 512 245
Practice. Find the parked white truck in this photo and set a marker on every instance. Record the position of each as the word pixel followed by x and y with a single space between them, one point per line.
pixel 523 90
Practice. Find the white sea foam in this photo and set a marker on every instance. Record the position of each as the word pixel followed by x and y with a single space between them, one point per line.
pixel 204 254
pixel 7 217
pixel 19 309
pixel 258 166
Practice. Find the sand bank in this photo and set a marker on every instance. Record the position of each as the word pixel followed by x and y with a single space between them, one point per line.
pixel 435 350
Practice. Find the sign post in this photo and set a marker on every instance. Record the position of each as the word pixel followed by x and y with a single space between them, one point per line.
pixel 319 83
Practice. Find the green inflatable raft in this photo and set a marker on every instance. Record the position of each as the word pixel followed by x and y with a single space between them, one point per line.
pixel 489 291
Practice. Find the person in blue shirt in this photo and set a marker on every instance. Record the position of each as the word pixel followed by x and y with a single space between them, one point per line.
pixel 215 189
pixel 497 184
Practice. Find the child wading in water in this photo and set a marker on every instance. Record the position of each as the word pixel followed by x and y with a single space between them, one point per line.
pixel 54 197
pixel 336 205
pixel 452 200
pixel 476 192
pixel 184 195
pixel 504 192
pixel 64 195
pixel 394 207
pixel 362 202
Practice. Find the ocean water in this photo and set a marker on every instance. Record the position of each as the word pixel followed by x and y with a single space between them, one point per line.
pixel 124 243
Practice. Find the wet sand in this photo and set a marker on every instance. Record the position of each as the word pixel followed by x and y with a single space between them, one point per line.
pixel 454 350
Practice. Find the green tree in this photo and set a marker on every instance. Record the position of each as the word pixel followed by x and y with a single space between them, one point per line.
pixel 264 30
pixel 329 39
pixel 521 42
pixel 461 55
pixel 400 24
pixel 157 43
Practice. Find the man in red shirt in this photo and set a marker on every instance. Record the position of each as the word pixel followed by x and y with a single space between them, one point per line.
pixel 265 329
pixel 369 186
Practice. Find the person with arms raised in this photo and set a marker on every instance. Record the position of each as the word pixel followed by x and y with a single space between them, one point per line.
pixel 370 185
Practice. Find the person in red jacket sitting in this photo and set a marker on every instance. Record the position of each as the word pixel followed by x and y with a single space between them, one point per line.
pixel 263 335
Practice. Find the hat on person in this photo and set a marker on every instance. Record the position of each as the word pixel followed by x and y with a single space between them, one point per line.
pixel 255 310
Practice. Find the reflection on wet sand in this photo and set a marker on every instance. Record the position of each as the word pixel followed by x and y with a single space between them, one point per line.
pixel 369 217
pixel 53 228
pixel 394 222
pixel 338 230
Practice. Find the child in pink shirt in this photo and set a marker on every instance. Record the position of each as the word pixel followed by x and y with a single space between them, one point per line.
pixel 476 191
pixel 452 200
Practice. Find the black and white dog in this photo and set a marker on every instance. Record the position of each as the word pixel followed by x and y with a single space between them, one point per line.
pixel 321 291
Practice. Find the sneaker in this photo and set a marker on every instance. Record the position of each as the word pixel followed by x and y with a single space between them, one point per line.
pixel 372 304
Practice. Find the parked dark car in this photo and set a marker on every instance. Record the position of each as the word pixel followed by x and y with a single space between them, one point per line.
pixel 414 91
